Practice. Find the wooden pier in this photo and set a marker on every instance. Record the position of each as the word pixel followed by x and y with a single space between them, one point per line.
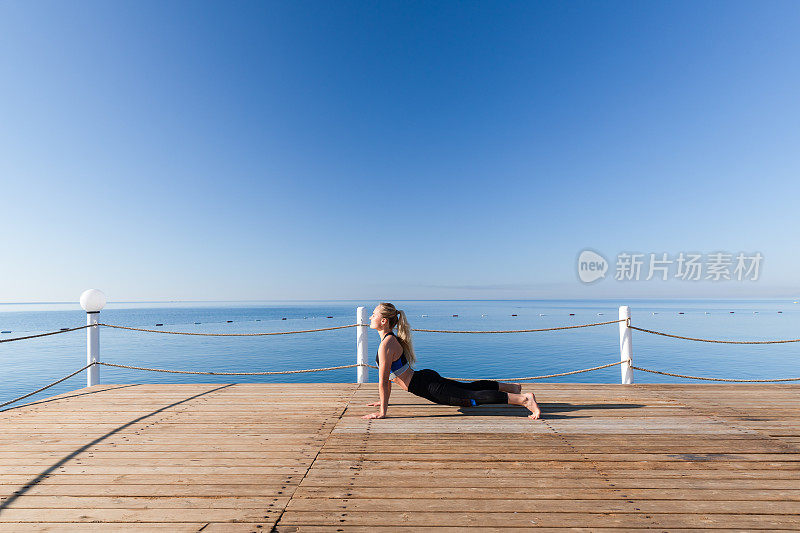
pixel 298 457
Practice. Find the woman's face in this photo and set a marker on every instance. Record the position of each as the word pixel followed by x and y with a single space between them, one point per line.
pixel 375 319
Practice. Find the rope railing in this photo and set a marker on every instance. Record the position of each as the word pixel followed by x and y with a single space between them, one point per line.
pixel 272 373
pixel 714 379
pixel 352 326
pixel 711 340
pixel 263 334
pixel 522 330
pixel 545 376
pixel 65 330
pixel 176 372
pixel 46 386
pixel 529 378
pixel 228 334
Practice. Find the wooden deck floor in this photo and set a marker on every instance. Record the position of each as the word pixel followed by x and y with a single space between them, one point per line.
pixel 298 457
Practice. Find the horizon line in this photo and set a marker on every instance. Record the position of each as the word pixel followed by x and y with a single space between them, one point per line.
pixel 403 299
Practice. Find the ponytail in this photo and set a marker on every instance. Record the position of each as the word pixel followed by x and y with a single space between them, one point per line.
pixel 404 336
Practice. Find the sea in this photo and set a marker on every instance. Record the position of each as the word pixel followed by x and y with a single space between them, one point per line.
pixel 30 364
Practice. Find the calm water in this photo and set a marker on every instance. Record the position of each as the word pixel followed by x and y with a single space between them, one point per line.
pixel 32 363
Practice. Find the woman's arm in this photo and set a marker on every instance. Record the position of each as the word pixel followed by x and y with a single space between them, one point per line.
pixel 378 403
pixel 384 385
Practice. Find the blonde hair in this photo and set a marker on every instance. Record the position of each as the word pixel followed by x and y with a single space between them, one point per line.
pixel 396 317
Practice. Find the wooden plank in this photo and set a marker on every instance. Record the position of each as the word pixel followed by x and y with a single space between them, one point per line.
pixel 58 527
pixel 522 476
pixel 418 518
pixel 531 504
pixel 789 467
pixel 598 491
pixel 486 529
pixel 545 482
pixel 529 456
pixel 265 489
pixel 8 481
pixel 149 502
pixel 136 515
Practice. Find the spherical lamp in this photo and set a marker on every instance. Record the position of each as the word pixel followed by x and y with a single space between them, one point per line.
pixel 93 300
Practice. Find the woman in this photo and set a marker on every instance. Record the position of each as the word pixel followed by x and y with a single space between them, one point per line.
pixel 394 359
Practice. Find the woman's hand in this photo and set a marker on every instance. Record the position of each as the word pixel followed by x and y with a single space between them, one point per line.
pixel 374 415
pixel 374 404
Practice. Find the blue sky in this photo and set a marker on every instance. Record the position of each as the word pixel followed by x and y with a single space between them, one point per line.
pixel 392 150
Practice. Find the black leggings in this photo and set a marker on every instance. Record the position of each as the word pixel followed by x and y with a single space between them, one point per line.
pixel 431 386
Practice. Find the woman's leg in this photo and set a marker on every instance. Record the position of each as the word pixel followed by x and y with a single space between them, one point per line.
pixel 483 384
pixel 459 396
pixel 516 388
pixel 486 384
pixel 431 386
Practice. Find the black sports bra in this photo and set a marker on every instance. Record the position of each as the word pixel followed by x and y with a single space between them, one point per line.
pixel 399 365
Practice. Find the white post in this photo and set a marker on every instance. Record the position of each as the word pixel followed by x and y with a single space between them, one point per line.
pixel 625 346
pixel 92 301
pixel 92 348
pixel 361 344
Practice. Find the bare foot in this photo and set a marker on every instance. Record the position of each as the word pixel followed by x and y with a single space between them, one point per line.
pixel 531 405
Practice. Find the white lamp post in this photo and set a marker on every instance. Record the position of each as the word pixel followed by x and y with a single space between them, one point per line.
pixel 625 347
pixel 92 301
pixel 362 373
